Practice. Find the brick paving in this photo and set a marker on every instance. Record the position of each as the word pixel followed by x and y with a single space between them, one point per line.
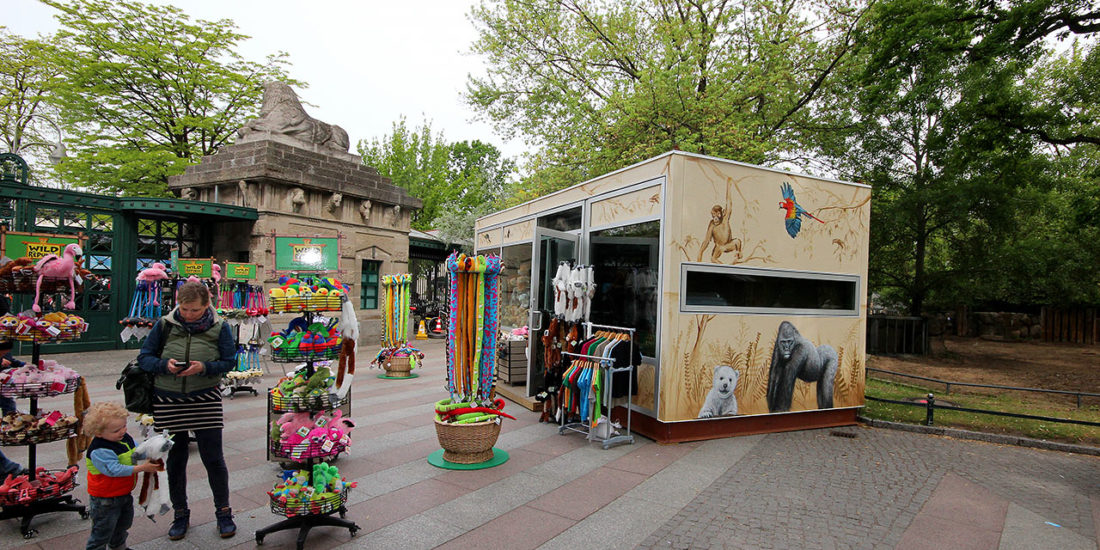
pixel 881 489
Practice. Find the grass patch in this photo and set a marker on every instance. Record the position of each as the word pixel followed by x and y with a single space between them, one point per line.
pixel 1007 401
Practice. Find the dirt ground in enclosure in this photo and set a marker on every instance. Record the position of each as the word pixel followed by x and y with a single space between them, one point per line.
pixel 1070 367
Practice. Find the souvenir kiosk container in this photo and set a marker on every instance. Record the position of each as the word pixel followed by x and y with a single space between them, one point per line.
pixel 745 286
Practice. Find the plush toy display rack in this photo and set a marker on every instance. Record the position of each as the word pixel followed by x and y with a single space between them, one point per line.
pixel 53 496
pixel 305 515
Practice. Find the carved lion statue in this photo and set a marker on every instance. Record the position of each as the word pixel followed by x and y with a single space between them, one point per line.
pixel 282 113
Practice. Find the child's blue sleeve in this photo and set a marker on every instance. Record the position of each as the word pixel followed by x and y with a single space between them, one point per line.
pixel 106 461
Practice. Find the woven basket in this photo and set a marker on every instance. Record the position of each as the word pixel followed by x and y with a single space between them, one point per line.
pixel 397 367
pixel 467 443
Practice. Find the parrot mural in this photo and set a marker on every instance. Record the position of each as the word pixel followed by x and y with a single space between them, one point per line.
pixel 793 218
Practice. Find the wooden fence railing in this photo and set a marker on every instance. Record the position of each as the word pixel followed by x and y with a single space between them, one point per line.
pixel 1076 325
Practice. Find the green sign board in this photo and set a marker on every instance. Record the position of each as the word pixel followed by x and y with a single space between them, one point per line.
pixel 307 254
pixel 35 245
pixel 201 268
pixel 240 272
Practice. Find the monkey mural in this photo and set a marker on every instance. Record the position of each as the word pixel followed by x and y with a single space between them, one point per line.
pixel 718 231
pixel 795 356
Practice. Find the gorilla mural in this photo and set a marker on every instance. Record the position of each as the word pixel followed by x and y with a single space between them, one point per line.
pixel 795 356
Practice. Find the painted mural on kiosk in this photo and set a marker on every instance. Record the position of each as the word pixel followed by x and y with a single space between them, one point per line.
pixel 738 347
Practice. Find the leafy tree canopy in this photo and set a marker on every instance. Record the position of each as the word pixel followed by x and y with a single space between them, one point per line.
pixel 603 84
pixel 148 91
pixel 28 77
pixel 453 179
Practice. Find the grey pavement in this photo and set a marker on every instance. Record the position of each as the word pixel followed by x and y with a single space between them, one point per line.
pixel 852 487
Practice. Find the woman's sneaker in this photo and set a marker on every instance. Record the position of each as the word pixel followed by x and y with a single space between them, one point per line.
pixel 226 527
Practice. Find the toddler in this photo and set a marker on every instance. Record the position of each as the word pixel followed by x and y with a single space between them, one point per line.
pixel 112 475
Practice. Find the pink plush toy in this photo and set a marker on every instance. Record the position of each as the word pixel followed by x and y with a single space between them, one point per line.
pixel 290 425
pixel 63 267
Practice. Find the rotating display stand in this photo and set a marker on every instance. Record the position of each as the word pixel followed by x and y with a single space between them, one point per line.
pixel 305 515
pixel 39 499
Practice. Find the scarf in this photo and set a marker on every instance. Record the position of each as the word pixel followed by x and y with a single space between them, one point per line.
pixel 195 327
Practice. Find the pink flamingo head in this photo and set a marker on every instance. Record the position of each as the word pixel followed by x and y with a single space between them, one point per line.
pixel 155 272
pixel 217 272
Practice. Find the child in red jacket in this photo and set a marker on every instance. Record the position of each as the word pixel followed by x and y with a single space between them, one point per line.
pixel 112 475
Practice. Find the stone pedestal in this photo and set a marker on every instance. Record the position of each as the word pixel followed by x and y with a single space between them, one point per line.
pixel 299 188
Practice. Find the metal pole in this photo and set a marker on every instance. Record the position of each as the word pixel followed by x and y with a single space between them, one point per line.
pixel 930 403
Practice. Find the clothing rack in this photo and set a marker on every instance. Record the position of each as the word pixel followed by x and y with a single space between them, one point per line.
pixel 608 365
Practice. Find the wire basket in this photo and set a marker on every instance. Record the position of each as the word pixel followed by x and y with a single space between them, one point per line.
pixel 42 435
pixel 467 443
pixel 295 355
pixel 306 450
pixel 305 403
pixel 292 507
pixel 38 389
pixel 25 279
pixel 317 302
pixel 37 491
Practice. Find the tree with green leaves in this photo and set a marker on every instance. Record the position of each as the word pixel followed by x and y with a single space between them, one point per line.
pixel 965 168
pixel 453 180
pixel 148 91
pixel 600 85
pixel 28 77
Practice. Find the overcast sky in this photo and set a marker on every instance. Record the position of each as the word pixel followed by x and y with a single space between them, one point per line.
pixel 367 62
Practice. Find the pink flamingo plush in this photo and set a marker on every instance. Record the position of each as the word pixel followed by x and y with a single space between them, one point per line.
pixel 151 274
pixel 63 267
pixel 216 273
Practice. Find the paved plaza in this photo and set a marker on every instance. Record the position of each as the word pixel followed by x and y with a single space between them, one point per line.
pixel 854 487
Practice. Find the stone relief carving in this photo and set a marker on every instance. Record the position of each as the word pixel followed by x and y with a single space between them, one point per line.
pixel 282 113
pixel 364 211
pixel 393 215
pixel 297 199
pixel 189 193
pixel 244 192
pixel 335 201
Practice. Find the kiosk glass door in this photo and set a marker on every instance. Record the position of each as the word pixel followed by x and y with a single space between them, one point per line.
pixel 550 249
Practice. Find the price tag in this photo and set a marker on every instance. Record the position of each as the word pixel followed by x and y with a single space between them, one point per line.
pixel 53 417
pixel 303 431
pixel 321 422
pixel 327 446
pixel 277 341
pixel 53 331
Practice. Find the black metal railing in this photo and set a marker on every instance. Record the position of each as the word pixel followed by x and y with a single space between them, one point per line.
pixel 948 383
pixel 930 405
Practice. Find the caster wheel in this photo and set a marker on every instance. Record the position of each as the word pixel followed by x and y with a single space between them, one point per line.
pixel 30 533
pixel 353 530
pixel 84 515
pixel 259 539
pixel 343 514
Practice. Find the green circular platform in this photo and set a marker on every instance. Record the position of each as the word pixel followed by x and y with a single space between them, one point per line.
pixel 411 375
pixel 436 459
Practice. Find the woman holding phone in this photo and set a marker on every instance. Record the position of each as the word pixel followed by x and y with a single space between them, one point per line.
pixel 198 347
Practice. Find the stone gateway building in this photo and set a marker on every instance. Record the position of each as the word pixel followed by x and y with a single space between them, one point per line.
pixel 297 173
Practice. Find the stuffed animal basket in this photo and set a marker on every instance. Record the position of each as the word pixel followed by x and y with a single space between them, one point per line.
pixel 39 389
pixel 467 443
pixel 306 403
pixel 38 490
pixel 317 302
pixel 291 507
pixel 287 354
pixel 37 435
pixel 307 450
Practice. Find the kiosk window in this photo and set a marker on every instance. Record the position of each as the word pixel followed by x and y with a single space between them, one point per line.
pixel 720 289
pixel 625 261
pixel 566 220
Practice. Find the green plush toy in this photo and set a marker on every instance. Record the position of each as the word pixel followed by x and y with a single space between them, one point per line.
pixel 319 381
pixel 323 476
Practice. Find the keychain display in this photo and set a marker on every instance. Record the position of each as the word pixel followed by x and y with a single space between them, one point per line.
pixel 242 303
pixel 146 306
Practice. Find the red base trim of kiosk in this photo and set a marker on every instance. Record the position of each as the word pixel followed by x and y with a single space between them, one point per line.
pixel 717 428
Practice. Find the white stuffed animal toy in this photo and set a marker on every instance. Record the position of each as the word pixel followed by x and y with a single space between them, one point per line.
pixel 153 498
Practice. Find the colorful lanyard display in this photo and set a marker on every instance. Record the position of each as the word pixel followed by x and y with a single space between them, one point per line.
pixel 395 309
pixel 472 326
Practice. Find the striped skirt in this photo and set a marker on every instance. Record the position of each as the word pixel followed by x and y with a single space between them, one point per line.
pixel 196 411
